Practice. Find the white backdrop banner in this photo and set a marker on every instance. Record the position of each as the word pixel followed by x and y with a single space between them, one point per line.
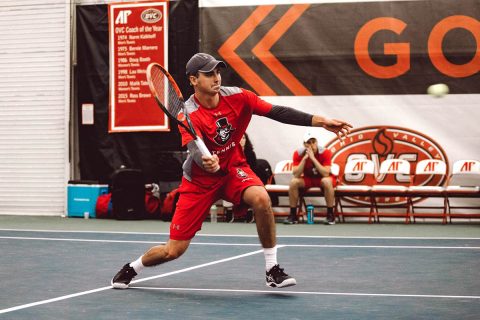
pixel 368 63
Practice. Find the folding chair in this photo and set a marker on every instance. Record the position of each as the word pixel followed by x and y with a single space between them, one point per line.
pixel 464 182
pixel 401 169
pixel 425 171
pixel 282 173
pixel 352 184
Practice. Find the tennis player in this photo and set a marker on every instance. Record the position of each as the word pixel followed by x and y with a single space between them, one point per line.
pixel 221 116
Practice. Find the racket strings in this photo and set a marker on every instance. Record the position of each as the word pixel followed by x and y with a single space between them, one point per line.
pixel 168 98
pixel 174 105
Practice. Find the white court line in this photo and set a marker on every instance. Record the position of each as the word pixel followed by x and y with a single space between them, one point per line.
pixel 376 247
pixel 316 293
pixel 86 231
pixel 241 235
pixel 69 296
pixel 247 244
pixel 128 241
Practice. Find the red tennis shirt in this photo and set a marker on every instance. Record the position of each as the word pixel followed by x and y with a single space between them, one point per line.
pixel 222 127
pixel 324 156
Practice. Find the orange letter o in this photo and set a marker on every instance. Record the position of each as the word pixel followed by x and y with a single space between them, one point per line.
pixel 435 46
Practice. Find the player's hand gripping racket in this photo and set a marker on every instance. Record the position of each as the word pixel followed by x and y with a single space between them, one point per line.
pixel 170 99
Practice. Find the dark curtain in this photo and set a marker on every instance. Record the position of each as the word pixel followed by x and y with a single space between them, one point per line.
pixel 158 154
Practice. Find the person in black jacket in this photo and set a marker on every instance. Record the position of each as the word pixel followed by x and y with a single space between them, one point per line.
pixel 248 151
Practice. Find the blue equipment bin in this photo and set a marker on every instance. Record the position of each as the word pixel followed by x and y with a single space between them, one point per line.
pixel 82 197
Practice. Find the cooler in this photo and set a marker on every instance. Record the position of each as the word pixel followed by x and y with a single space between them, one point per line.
pixel 82 197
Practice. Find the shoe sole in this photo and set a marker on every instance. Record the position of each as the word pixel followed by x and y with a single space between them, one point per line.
pixel 287 283
pixel 118 285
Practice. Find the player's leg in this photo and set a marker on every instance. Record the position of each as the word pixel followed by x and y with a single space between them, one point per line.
pixel 242 186
pixel 171 250
pixel 192 207
pixel 329 193
pixel 257 197
pixel 154 256
pixel 293 194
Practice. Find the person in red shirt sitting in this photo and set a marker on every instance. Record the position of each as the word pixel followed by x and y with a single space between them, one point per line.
pixel 311 168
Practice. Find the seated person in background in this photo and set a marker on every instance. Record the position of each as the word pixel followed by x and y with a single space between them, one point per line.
pixel 311 168
pixel 250 155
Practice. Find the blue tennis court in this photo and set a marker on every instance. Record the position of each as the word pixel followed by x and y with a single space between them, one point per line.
pixel 66 274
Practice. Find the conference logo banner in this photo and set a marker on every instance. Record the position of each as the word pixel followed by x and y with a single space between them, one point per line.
pixel 138 34
pixel 385 47
pixel 379 143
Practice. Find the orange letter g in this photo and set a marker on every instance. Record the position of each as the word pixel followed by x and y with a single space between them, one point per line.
pixel 401 50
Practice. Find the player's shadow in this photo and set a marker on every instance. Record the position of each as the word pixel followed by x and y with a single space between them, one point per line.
pixel 215 296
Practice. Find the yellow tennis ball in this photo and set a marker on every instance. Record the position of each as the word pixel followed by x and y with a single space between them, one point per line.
pixel 438 90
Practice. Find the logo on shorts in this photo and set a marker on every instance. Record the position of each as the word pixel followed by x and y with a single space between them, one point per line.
pixel 243 175
pixel 224 130
pixel 380 143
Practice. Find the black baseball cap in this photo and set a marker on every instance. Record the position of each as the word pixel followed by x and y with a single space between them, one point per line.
pixel 203 62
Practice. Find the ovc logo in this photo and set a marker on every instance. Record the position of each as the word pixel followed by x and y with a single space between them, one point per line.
pixel 380 143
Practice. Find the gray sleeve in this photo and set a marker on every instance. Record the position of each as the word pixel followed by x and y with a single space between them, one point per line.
pixel 195 153
pixel 290 116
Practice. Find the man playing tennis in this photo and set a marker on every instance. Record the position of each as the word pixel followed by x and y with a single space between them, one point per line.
pixel 220 116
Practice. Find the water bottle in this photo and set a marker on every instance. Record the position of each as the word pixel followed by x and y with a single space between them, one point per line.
pixel 310 214
pixel 213 213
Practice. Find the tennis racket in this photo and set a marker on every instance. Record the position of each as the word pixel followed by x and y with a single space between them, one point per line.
pixel 169 98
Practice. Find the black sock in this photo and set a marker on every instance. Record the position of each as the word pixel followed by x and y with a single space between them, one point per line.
pixel 330 214
pixel 293 213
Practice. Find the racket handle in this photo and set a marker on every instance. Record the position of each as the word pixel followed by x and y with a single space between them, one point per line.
pixel 203 148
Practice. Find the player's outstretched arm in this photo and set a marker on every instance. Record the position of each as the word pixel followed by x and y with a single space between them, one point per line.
pixel 292 116
pixel 339 127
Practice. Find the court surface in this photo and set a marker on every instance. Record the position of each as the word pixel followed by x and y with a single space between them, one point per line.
pixel 54 268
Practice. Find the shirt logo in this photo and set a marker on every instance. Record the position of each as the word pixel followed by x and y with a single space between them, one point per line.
pixel 224 130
